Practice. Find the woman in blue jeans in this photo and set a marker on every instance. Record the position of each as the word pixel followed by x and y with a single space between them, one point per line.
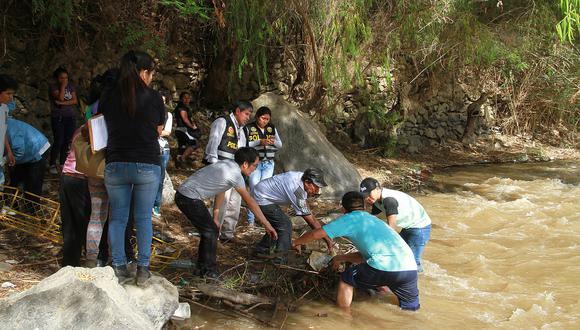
pixel 164 158
pixel 134 115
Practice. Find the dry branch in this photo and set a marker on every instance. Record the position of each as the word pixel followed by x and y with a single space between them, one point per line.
pixel 233 295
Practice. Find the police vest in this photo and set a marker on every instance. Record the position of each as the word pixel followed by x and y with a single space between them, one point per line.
pixel 229 143
pixel 254 133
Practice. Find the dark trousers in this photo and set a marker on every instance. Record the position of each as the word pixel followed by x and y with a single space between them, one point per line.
pixel 198 215
pixel 62 132
pixel 31 175
pixel 75 209
pixel 283 226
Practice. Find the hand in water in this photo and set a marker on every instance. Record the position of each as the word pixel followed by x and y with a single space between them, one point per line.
pixel 297 248
pixel 330 245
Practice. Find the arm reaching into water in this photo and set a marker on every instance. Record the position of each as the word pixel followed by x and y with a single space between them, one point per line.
pixel 316 225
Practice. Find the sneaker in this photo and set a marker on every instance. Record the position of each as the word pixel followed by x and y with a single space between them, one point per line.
pixel 156 211
pixel 122 274
pixel 52 169
pixel 143 275
pixel 211 274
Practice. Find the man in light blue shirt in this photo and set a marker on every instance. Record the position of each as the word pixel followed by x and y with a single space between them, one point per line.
pixel 28 146
pixel 290 188
pixel 383 258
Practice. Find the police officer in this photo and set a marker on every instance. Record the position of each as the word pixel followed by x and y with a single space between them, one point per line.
pixel 225 137
pixel 289 188
pixel 262 136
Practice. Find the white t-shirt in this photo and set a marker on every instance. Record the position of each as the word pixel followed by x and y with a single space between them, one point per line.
pixel 167 128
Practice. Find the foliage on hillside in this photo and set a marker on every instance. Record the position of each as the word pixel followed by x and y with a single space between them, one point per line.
pixel 525 50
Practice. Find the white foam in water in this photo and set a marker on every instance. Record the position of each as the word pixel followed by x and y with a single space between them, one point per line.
pixel 486 317
pixel 535 310
pixel 442 278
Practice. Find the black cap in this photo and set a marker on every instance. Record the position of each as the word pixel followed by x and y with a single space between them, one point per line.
pixel 367 185
pixel 314 175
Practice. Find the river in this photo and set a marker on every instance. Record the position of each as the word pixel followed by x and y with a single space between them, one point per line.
pixel 504 253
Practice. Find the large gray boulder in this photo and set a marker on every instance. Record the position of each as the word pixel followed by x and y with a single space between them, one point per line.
pixel 81 298
pixel 304 145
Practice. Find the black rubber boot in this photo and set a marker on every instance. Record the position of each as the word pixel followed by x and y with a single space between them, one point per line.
pixel 122 274
pixel 143 275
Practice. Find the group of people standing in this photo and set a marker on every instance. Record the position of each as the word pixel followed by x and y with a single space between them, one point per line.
pixel 127 190
pixel 123 190
pixel 125 182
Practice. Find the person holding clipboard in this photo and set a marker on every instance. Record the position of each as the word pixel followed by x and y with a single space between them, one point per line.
pixel 134 115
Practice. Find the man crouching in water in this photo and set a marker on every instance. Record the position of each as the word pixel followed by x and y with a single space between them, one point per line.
pixel 383 258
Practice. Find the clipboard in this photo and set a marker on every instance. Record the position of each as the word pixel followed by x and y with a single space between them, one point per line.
pixel 97 133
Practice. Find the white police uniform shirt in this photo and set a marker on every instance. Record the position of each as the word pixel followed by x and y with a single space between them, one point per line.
pixel 283 189
pixel 218 127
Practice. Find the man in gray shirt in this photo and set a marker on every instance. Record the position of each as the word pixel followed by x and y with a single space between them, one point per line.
pixel 290 188
pixel 215 180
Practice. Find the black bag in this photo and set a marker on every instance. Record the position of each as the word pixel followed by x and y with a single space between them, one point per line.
pixel 196 133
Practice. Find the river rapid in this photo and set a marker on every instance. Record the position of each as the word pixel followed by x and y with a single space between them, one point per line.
pixel 504 253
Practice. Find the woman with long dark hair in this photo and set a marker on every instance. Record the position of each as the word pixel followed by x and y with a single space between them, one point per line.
pixel 134 114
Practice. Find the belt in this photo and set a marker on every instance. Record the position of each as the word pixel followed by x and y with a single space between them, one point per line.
pixel 75 175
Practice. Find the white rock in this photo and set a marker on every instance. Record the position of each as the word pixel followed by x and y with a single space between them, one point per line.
pixel 81 298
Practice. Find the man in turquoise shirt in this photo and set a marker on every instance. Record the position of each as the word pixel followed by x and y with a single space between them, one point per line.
pixel 383 257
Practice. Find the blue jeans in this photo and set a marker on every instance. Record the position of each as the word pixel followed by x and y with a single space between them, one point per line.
pixel 417 238
pixel 264 170
pixel 124 180
pixel 164 158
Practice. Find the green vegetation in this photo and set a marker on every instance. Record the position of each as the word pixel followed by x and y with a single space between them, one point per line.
pixel 55 14
pixel 137 36
pixel 569 27
pixel 522 51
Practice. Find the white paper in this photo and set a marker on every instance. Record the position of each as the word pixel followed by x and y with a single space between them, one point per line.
pixel 168 123
pixel 98 133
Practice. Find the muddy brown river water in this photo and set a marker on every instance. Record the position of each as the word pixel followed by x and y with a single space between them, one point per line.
pixel 504 253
